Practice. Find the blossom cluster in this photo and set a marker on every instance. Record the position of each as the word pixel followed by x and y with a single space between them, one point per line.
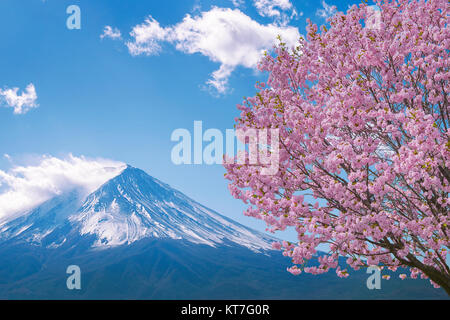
pixel 364 137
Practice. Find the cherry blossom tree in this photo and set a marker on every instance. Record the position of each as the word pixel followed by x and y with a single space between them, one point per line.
pixel 364 142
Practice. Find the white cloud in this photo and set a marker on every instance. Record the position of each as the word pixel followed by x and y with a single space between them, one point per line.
pixel 147 37
pixel 272 8
pixel 327 11
pixel 219 78
pixel 24 187
pixel 112 33
pixel 21 103
pixel 283 11
pixel 238 3
pixel 226 36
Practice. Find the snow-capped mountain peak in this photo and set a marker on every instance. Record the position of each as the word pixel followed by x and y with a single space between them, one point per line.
pixel 127 208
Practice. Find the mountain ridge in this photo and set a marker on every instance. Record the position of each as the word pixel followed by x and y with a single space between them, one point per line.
pixel 129 207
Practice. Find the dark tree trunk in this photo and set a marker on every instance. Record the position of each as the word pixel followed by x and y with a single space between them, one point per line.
pixel 440 278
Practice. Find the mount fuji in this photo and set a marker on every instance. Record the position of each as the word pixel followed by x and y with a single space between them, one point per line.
pixel 135 237
pixel 128 208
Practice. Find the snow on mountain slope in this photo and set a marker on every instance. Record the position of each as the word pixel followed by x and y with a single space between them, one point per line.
pixel 130 207
pixel 38 223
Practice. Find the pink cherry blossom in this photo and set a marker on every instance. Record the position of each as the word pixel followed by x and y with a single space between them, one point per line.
pixel 364 138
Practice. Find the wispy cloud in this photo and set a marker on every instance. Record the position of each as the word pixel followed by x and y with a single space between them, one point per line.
pixel 224 35
pixel 24 187
pixel 238 3
pixel 147 37
pixel 21 103
pixel 271 8
pixel 327 10
pixel 282 11
pixel 111 33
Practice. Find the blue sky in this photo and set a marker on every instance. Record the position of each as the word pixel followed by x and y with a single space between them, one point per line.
pixel 96 97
